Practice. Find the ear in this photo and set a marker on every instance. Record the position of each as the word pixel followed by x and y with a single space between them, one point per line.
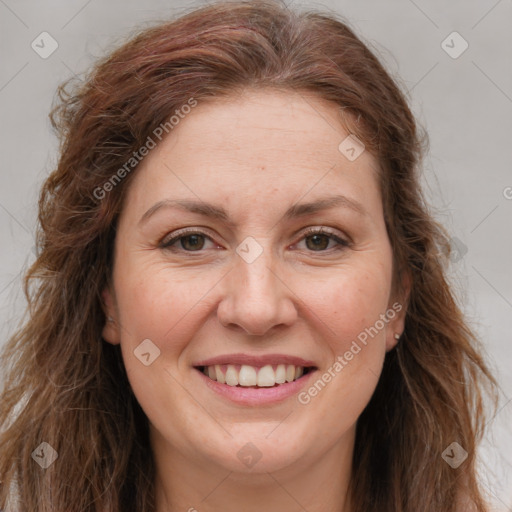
pixel 111 331
pixel 397 310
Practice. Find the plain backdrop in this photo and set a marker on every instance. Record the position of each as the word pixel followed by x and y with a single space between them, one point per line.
pixel 462 98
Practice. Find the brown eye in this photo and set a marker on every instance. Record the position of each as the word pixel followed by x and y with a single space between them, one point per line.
pixel 192 242
pixel 318 242
pixel 188 241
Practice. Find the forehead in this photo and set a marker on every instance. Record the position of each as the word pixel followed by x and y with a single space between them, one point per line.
pixel 255 142
pixel 263 124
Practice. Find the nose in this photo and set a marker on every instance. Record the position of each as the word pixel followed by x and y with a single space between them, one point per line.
pixel 256 299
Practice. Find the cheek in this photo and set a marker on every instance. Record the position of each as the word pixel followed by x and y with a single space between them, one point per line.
pixel 347 308
pixel 146 312
pixel 165 304
pixel 347 303
pixel 162 304
pixel 154 304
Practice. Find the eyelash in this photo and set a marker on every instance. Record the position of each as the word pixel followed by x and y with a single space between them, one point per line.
pixel 342 244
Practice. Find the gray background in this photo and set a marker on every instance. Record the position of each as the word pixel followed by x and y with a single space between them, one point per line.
pixel 465 104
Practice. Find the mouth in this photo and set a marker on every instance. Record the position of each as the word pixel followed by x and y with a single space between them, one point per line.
pixel 247 376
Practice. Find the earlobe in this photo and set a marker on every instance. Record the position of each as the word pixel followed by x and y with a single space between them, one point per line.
pixel 394 342
pixel 110 332
pixel 396 326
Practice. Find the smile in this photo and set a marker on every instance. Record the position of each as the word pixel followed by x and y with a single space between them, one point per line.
pixel 254 376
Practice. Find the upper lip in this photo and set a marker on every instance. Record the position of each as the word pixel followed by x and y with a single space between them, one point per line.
pixel 261 360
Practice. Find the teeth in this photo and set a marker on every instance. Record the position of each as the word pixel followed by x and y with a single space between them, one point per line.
pixel 281 374
pixel 246 376
pixel 266 377
pixel 231 376
pixel 220 376
pixel 290 373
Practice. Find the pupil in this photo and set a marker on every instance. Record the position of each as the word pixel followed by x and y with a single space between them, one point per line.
pixel 195 239
pixel 317 241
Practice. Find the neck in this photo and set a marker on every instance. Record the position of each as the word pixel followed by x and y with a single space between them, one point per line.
pixel 185 485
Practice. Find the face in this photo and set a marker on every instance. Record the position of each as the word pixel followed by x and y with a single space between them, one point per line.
pixel 250 248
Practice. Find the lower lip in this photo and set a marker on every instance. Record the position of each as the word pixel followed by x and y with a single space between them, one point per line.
pixel 257 396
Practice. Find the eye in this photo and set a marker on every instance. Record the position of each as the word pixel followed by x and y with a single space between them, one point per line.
pixel 189 241
pixel 316 240
pixel 319 240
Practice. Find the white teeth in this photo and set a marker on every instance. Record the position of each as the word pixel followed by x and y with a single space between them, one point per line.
pixel 246 375
pixel 231 376
pixel 280 374
pixel 290 373
pixel 220 376
pixel 266 376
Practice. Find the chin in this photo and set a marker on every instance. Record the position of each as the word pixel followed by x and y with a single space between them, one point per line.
pixel 260 448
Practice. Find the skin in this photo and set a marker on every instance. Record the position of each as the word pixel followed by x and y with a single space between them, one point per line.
pixel 255 154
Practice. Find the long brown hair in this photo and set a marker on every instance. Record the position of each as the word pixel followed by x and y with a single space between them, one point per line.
pixel 65 386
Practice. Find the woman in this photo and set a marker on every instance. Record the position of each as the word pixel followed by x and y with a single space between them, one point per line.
pixel 239 300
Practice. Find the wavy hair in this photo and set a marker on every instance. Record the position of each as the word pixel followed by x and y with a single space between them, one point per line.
pixel 65 386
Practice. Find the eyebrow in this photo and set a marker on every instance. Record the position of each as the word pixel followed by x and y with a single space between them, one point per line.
pixel 219 213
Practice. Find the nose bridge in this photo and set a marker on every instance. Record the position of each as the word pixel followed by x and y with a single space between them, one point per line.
pixel 257 280
pixel 255 299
